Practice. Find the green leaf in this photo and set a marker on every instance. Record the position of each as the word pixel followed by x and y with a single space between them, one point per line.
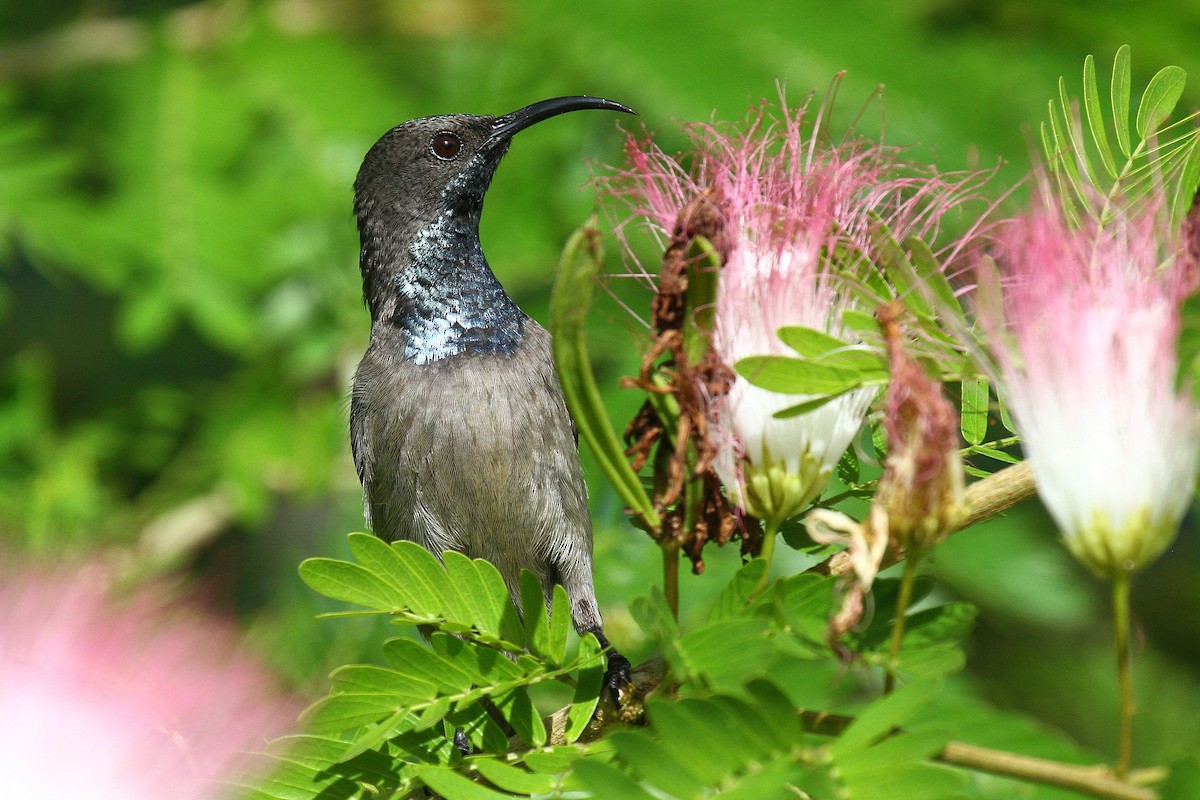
pixel 514 779
pixel 570 302
pixel 430 585
pixel 896 751
pixel 552 760
pixel 448 783
pixel 724 654
pixel 1189 182
pixel 909 782
pixel 1064 158
pixel 691 724
pixel 779 719
pixel 518 710
pixel 975 394
pixel 1070 126
pixel 486 665
pixel 606 781
pixel 537 623
pixel 307 768
pixel 883 716
pixel 434 713
pixel 655 763
pixel 1188 347
pixel 809 406
pixel 350 583
pixel 848 469
pixel 930 274
pixel 481 730
pixel 654 616
pixel 789 375
pixel 827 350
pixel 560 626
pixel 412 658
pixel 337 713
pixel 1095 117
pixel 1119 90
pixel 379 557
pixel 483 591
pixel 589 682
pixel 932 645
pixel 392 687
pixel 1159 99
pixel 734 599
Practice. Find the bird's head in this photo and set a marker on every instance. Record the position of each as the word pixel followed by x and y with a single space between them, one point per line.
pixel 431 167
pixel 418 199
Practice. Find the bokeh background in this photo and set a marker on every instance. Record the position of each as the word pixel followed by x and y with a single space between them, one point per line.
pixel 180 306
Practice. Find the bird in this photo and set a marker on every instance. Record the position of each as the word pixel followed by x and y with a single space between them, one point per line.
pixel 460 433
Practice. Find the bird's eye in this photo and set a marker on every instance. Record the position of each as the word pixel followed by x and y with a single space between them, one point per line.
pixel 445 145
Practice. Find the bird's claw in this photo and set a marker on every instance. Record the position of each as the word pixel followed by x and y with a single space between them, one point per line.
pixel 618 678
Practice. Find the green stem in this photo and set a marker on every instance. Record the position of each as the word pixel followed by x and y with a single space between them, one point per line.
pixel 670 555
pixel 770 534
pixel 1120 600
pixel 902 603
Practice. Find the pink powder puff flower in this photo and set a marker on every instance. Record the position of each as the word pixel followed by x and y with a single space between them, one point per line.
pixel 123 700
pixel 787 199
pixel 1084 324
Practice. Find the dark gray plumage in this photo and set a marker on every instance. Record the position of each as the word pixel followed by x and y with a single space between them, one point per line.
pixel 460 433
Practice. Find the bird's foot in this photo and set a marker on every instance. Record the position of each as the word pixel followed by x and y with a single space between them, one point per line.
pixel 618 677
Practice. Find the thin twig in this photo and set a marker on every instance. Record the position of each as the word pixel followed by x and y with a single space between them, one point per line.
pixel 986 498
pixel 1096 781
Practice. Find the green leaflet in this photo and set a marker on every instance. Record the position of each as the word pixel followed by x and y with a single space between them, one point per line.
pixel 350 583
pixel 1159 99
pixel 448 783
pixel 308 768
pixel 518 709
pixel 735 597
pixel 514 779
pixel 974 423
pixel 1095 117
pixel 413 659
pixel 789 375
pixel 588 686
pixel 881 717
pixel 605 781
pixel 1119 92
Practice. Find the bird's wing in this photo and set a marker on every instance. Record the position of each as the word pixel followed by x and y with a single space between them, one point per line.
pixel 360 446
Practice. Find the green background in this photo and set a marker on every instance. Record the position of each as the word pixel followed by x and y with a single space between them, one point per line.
pixel 180 307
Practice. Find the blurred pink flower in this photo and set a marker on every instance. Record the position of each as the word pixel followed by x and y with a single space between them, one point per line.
pixel 123 700
pixel 1084 324
pixel 787 198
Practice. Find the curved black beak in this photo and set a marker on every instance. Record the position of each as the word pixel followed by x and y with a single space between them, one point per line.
pixel 510 124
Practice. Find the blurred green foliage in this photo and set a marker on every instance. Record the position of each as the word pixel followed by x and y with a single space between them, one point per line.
pixel 179 301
